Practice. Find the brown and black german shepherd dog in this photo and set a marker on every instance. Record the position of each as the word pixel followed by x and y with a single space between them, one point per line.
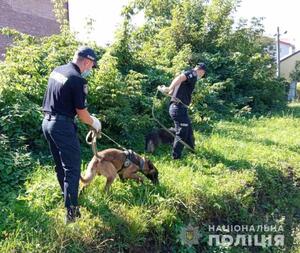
pixel 157 137
pixel 115 162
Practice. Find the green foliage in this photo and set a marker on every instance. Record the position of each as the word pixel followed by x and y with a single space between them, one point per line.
pixel 19 134
pixel 61 13
pixel 243 173
pixel 30 60
pixel 23 78
pixel 295 75
pixel 18 111
pixel 192 32
pixel 247 159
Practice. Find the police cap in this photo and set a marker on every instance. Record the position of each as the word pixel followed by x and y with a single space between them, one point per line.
pixel 88 53
pixel 201 65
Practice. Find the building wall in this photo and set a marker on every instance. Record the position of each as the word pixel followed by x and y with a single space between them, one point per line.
pixel 33 17
pixel 40 8
pixel 284 50
pixel 288 65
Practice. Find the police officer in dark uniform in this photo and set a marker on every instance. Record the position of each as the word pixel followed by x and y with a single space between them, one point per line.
pixel 181 90
pixel 65 98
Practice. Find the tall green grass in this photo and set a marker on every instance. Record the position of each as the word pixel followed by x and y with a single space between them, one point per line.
pixel 246 171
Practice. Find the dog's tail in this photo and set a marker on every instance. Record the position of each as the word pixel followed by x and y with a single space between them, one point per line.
pixel 86 179
pixel 89 175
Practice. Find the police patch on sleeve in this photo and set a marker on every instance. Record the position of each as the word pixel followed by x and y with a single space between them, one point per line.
pixel 58 77
pixel 85 89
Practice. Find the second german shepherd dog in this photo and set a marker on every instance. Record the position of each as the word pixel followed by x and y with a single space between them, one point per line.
pixel 157 137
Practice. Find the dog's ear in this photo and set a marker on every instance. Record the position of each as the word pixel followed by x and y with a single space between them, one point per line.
pixel 152 173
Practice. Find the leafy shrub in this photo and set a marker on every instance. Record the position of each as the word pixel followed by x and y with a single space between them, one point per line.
pixel 240 76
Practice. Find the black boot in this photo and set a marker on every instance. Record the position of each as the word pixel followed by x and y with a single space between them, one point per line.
pixel 73 212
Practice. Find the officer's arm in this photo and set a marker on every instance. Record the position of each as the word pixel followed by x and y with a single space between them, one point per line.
pixel 177 81
pixel 84 116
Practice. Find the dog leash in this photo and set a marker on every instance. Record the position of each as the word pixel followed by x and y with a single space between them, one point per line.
pixel 177 100
pixel 91 139
pixel 166 129
pixel 120 146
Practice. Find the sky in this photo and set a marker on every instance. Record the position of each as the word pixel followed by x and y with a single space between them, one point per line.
pixel 106 16
pixel 282 14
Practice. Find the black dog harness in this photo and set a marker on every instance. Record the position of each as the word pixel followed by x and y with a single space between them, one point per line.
pixel 132 159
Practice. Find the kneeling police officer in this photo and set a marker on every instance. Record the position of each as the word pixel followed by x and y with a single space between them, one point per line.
pixel 65 98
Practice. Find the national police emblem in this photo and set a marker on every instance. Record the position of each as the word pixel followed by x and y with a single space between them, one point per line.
pixel 85 89
pixel 189 235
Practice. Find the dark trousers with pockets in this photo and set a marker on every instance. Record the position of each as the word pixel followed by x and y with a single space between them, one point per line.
pixel 183 128
pixel 61 135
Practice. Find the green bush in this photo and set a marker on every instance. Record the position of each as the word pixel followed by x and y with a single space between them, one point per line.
pixel 15 165
pixel 240 77
pixel 178 33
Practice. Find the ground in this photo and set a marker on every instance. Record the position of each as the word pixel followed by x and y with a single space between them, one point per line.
pixel 245 171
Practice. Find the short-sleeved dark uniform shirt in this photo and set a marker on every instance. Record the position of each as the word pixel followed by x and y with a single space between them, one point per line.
pixel 66 91
pixel 185 89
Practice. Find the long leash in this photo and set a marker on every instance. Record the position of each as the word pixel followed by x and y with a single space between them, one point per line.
pixel 91 139
pixel 92 135
pixel 120 146
pixel 166 129
pixel 175 98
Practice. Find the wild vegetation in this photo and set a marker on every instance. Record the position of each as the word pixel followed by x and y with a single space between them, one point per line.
pixel 246 168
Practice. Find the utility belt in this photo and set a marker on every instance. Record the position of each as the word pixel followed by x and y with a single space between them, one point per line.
pixel 57 117
pixel 179 103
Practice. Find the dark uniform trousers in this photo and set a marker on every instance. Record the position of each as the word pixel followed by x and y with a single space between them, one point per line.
pixel 61 134
pixel 183 128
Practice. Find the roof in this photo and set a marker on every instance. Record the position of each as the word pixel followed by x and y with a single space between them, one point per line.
pixel 289 56
pixel 287 43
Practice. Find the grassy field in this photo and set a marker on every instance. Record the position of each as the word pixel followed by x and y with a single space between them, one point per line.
pixel 245 172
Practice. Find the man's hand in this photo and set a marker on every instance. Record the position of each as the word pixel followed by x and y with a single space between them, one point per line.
pixel 163 89
pixel 96 124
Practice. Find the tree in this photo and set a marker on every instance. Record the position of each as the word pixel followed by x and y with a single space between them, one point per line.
pixel 179 33
pixel 61 12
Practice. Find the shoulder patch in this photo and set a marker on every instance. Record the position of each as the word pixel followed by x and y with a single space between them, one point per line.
pixel 85 89
pixel 58 77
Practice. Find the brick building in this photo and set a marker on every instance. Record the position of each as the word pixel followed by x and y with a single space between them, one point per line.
pixel 33 17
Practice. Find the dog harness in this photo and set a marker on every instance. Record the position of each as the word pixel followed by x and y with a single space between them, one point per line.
pixel 132 159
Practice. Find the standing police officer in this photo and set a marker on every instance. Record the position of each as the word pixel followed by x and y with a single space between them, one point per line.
pixel 181 90
pixel 64 99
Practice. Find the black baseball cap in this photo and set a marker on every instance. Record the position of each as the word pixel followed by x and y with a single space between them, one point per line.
pixel 201 65
pixel 88 53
